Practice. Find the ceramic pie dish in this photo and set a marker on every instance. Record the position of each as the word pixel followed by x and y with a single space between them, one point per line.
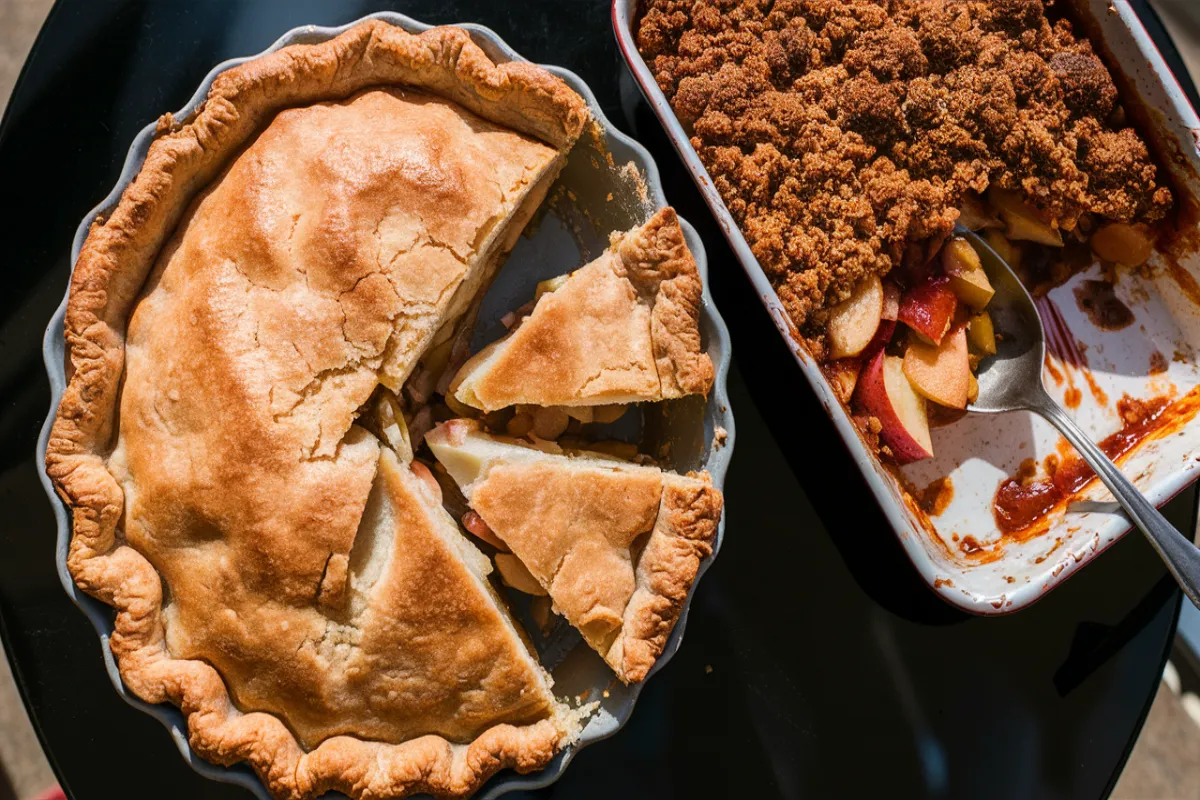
pixel 595 195
pixel 961 551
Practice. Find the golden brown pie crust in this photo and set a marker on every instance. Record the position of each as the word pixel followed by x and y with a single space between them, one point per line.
pixel 623 328
pixel 617 546
pixel 577 531
pixel 114 266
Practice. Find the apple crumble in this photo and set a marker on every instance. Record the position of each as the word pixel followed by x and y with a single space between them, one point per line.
pixel 847 138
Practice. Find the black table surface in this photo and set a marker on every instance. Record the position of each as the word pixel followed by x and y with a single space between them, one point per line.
pixel 816 662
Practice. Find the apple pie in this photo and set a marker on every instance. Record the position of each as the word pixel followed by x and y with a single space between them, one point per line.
pixel 326 220
pixel 616 545
pixel 621 329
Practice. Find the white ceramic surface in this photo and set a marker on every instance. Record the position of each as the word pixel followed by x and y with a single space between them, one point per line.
pixel 978 452
pixel 574 229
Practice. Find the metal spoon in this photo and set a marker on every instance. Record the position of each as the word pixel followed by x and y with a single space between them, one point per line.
pixel 1012 380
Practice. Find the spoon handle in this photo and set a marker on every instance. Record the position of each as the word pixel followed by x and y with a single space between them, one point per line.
pixel 1180 555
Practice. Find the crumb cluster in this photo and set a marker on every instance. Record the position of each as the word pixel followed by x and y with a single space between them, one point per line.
pixel 838 131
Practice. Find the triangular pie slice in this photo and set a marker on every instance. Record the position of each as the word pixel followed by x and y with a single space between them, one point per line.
pixel 621 329
pixel 616 545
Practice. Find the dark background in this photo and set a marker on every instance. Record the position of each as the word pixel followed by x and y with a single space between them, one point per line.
pixel 816 663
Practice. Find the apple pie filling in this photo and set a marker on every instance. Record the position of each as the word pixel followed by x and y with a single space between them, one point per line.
pixel 904 350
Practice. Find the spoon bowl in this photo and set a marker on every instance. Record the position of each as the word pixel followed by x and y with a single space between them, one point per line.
pixel 1011 380
pixel 1005 378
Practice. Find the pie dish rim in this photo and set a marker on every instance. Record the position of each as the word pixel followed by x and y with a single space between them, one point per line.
pixel 53 349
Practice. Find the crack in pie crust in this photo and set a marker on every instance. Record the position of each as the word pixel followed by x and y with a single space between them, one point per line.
pixel 325 218
pixel 621 329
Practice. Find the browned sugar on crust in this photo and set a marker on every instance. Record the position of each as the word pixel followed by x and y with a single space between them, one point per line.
pixel 837 132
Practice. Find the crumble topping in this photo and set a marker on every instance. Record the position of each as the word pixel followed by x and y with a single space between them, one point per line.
pixel 838 132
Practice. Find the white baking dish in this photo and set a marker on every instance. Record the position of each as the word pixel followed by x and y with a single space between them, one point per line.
pixel 978 451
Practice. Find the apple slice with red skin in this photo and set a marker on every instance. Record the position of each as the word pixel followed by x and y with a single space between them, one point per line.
pixel 941 373
pixel 853 323
pixel 887 320
pixel 884 392
pixel 928 308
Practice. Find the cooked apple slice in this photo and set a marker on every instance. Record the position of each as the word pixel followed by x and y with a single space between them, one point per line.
pixel 843 376
pixel 891 301
pixel 940 373
pixel 1009 251
pixel 929 307
pixel 1119 243
pixel 974 214
pixel 884 392
pixel 981 334
pixel 1022 221
pixel 967 278
pixel 852 324
pixel 887 322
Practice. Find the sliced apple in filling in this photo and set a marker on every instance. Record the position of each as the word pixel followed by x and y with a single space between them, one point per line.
pixel 928 308
pixel 843 376
pixel 616 545
pixel 981 334
pixel 853 323
pixel 1120 243
pixel 941 373
pixel 975 215
pixel 1022 221
pixel 965 271
pixel 884 392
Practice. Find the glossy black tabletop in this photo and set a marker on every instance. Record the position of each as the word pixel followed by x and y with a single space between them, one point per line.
pixel 816 663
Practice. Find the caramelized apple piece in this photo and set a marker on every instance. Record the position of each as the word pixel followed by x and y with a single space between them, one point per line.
pixel 884 392
pixel 1119 243
pixel 480 529
pixel 852 324
pixel 928 308
pixel 967 278
pixel 974 214
pixel 843 376
pixel 887 323
pixel 981 334
pixel 517 575
pixel 1008 250
pixel 550 285
pixel 390 418
pixel 891 301
pixel 550 422
pixel 940 373
pixel 1021 220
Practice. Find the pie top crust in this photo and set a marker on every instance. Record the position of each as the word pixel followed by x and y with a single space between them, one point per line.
pixel 201 430
pixel 616 545
pixel 621 329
